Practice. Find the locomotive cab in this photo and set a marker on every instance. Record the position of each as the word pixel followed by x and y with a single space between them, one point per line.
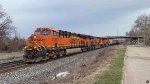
pixel 39 43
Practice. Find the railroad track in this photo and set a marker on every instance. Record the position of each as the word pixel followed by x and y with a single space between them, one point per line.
pixel 5 67
pixel 10 66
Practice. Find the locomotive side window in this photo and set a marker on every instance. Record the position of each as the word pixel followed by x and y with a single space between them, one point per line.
pixel 55 33
pixel 64 34
pixel 68 34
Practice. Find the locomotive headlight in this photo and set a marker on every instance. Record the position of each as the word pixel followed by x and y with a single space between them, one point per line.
pixel 34 36
pixel 35 47
pixel 25 47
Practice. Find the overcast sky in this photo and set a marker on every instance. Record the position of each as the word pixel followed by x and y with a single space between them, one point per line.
pixel 92 17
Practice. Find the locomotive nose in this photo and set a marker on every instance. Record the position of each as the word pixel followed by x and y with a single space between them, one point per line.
pixel 36 41
pixel 39 38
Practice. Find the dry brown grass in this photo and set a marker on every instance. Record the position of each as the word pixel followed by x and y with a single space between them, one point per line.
pixel 11 55
pixel 85 71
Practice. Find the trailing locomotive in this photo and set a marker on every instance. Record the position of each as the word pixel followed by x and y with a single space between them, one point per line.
pixel 48 43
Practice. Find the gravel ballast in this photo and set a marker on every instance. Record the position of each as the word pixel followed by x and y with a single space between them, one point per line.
pixel 37 73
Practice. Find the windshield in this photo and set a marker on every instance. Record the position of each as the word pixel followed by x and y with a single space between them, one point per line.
pixel 45 33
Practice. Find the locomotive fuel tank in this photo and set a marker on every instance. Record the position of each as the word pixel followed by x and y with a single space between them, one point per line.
pixel 73 50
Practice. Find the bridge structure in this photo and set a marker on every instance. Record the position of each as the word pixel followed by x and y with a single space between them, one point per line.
pixel 128 39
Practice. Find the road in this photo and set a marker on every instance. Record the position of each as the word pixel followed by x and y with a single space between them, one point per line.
pixel 137 65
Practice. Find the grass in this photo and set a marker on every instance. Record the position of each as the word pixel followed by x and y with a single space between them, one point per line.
pixel 114 74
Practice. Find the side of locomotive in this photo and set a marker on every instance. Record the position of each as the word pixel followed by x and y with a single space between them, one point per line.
pixel 47 43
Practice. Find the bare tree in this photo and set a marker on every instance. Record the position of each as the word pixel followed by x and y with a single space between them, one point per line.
pixel 141 27
pixel 6 27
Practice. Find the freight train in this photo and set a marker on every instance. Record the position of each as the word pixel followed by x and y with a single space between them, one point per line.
pixel 48 43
